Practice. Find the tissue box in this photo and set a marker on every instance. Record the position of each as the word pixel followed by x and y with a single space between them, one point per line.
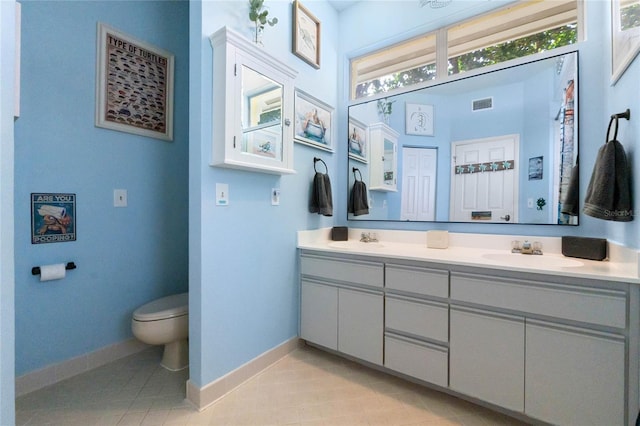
pixel 438 239
pixel 339 233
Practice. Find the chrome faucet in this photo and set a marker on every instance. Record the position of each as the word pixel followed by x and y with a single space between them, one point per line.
pixel 367 237
pixel 526 247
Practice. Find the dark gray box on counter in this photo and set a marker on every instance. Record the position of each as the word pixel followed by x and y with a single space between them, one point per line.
pixel 339 233
pixel 584 247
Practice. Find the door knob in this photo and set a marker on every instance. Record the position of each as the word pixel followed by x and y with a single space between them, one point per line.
pixel 506 217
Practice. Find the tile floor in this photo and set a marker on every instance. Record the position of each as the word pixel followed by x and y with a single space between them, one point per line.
pixel 307 387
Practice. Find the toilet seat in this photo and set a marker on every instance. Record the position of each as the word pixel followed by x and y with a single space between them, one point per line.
pixel 164 308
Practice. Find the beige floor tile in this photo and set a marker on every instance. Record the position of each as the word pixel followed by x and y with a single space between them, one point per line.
pixel 306 388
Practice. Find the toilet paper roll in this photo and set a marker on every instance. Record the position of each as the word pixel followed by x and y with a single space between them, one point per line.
pixel 53 272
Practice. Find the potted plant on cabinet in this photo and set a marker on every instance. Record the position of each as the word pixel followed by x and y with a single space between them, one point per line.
pixel 258 15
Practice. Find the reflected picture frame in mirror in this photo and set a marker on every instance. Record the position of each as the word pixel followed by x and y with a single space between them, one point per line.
pixel 358 141
pixel 534 98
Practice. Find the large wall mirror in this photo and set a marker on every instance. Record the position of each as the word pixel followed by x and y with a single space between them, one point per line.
pixel 496 147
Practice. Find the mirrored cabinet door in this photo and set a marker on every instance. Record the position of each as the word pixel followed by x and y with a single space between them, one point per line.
pixel 261 113
pixel 252 107
pixel 384 158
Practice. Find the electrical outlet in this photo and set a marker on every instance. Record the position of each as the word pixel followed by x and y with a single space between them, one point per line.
pixel 119 198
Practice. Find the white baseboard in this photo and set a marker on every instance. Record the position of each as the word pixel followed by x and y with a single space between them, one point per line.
pixel 57 372
pixel 203 397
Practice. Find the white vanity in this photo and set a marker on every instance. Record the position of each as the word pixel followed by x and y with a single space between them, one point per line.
pixel 546 337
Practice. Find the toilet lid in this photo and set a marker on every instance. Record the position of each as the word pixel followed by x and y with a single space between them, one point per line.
pixel 166 307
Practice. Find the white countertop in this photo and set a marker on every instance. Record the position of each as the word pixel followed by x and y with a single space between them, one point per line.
pixel 480 250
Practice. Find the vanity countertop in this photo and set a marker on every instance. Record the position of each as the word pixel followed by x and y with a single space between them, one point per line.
pixel 480 250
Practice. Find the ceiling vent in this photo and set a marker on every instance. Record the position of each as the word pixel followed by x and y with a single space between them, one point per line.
pixel 482 104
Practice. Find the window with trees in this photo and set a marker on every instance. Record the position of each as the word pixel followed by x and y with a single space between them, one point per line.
pixel 522 29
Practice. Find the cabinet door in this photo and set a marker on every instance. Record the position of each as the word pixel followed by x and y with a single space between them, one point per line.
pixel 574 377
pixel 360 324
pixel 486 357
pixel 319 314
pixel 383 168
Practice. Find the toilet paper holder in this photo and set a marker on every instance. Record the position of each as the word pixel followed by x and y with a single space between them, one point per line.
pixel 36 269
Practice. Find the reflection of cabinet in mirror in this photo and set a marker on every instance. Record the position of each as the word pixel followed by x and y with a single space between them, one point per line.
pixel 252 107
pixel 383 167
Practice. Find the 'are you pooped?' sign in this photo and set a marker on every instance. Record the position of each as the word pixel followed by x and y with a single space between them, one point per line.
pixel 53 218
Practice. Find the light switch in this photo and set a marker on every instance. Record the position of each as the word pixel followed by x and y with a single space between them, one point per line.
pixel 530 203
pixel 275 196
pixel 119 198
pixel 222 194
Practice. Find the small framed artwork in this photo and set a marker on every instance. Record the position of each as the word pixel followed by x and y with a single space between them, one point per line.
pixel 419 119
pixel 306 35
pixel 358 141
pixel 313 121
pixel 625 36
pixel 535 168
pixel 53 218
pixel 134 85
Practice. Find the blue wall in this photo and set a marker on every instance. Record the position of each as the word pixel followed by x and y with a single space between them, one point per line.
pixel 243 267
pixel 125 256
pixel 7 344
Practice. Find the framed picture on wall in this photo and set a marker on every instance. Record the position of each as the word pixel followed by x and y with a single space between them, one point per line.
pixel 53 218
pixel 419 119
pixel 313 121
pixel 625 36
pixel 134 85
pixel 358 141
pixel 306 35
pixel 536 168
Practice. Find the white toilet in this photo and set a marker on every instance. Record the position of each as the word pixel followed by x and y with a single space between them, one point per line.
pixel 165 322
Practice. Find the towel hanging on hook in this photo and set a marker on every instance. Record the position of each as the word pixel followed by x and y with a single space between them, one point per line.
pixel 609 194
pixel 358 201
pixel 321 198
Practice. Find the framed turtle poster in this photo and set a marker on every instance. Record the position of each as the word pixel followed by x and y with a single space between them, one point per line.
pixel 134 85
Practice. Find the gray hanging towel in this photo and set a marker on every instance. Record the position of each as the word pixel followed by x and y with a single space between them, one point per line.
pixel 358 203
pixel 321 200
pixel 609 192
pixel 571 199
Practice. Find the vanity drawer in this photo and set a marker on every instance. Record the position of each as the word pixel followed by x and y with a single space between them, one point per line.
pixel 429 320
pixel 589 305
pixel 429 282
pixel 353 271
pixel 416 359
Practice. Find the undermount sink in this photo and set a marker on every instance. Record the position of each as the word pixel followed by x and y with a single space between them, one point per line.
pixel 527 260
pixel 355 245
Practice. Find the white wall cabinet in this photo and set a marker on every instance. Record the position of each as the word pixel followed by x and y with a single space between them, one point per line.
pixel 558 350
pixel 252 107
pixel 487 357
pixel 383 167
